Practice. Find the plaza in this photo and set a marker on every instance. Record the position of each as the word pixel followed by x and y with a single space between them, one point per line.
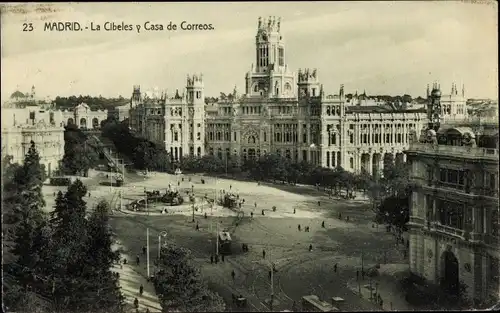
pixel 352 242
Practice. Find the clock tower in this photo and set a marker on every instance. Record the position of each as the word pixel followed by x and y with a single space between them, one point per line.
pixel 270 77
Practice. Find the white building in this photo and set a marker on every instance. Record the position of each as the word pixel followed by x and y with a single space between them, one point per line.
pixel 20 126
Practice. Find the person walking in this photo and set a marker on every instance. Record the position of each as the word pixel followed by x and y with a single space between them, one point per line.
pixel 233 274
pixel 197 226
pixel 335 268
pixel 255 204
pixel 263 254
pixel 251 214
pixel 323 224
pixel 263 212
pixel 294 211
pixel 298 227
pixel 310 247
pixel 222 257
pixel 141 290
pixel 136 303
pixel 144 250
pixel 137 260
pixel 211 259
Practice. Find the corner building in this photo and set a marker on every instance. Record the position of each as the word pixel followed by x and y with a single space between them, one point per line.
pixel 454 213
pixel 279 112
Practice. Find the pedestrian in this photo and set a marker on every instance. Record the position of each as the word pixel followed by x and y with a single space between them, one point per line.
pixel 335 268
pixel 222 257
pixel 307 228
pixel 255 204
pixel 293 210
pixel 251 214
pixel 182 178
pixel 310 247
pixel 357 275
pixel 263 212
pixel 263 254
pixel 211 259
pixel 124 260
pixel 197 226
pixel 298 227
pixel 89 194
pixel 136 303
pixel 137 260
pixel 319 203
pixel 141 289
pixel 54 193
pixel 205 215
pixel 233 274
pixel 347 218
pixel 216 259
pixel 147 310
pixel 323 224
pixel 178 183
pixel 144 250
pixel 230 186
pixel 340 216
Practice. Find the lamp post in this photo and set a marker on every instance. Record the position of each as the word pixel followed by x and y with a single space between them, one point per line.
pixel 161 234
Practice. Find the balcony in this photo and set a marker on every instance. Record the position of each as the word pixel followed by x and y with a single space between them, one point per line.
pixel 448 230
pixel 456 151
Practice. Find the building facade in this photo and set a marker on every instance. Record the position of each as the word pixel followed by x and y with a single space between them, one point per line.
pixel 279 112
pixel 83 116
pixel 454 213
pixel 20 126
pixel 176 123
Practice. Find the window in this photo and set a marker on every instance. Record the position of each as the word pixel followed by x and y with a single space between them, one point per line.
pixel 198 136
pixel 234 136
pixel 304 155
pixel 327 158
pixel 191 137
pixel 452 178
pixel 265 136
pixel 304 138
pixel 281 56
pixel 450 213
pixel 176 136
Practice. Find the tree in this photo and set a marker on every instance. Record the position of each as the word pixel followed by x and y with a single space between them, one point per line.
pixel 78 156
pixel 179 286
pixel 23 203
pixel 103 292
pixel 68 248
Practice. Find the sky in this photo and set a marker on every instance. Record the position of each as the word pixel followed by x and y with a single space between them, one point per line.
pixel 390 48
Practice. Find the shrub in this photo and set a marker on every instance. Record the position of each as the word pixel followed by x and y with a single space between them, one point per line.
pixel 60 181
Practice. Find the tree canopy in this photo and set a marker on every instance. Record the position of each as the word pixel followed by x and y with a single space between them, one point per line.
pixel 62 264
pixel 78 156
pixel 179 285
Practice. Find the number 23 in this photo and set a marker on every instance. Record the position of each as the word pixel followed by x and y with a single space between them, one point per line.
pixel 27 27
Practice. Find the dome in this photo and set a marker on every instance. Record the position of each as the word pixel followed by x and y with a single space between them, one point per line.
pixel 436 93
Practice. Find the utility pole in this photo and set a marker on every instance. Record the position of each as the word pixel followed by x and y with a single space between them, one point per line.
pixel 146 199
pixel 362 265
pixel 147 244
pixel 217 238
pixel 272 282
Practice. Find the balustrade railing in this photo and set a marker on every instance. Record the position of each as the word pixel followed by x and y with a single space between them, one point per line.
pixel 477 152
